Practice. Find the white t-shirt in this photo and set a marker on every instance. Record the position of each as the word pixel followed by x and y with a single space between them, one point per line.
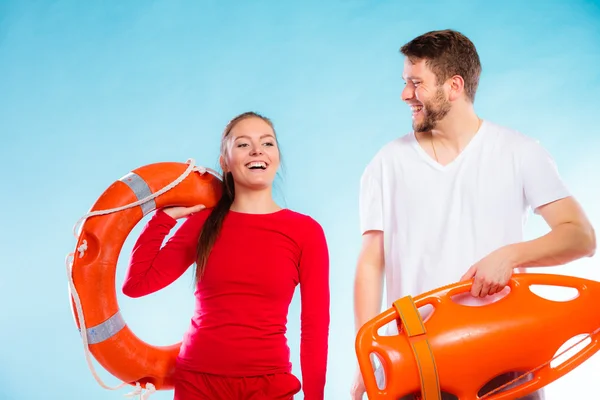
pixel 437 221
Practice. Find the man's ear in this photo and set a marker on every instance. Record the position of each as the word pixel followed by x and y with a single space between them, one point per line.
pixel 457 87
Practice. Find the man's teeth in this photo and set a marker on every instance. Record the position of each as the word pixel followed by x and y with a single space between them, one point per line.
pixel 416 108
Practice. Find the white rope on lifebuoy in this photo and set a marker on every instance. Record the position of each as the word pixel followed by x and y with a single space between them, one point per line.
pixel 81 251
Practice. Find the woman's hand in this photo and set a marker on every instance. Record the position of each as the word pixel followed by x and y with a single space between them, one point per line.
pixel 180 212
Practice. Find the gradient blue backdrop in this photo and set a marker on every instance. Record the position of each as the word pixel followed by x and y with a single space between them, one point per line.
pixel 91 90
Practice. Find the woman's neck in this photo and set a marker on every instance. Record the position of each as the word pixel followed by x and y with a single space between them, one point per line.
pixel 254 202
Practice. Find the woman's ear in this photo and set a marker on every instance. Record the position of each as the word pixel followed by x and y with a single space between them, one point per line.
pixel 223 164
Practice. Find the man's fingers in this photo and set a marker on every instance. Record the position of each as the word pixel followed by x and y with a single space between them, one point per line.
pixel 469 274
pixel 485 289
pixel 476 287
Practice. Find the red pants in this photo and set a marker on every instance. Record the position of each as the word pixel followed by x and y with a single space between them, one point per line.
pixel 191 385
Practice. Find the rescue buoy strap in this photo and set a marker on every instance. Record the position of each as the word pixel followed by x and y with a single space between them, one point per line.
pixel 415 330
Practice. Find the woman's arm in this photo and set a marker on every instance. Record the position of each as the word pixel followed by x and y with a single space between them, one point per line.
pixel 151 267
pixel 315 300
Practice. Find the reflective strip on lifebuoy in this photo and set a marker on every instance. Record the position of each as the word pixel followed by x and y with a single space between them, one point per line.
pixel 141 190
pixel 105 330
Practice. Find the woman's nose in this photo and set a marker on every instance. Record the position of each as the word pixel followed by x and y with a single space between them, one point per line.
pixel 255 150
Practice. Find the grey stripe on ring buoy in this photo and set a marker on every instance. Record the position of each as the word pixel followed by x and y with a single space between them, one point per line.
pixel 141 190
pixel 106 329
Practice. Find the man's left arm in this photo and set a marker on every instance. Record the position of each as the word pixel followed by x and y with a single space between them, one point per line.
pixel 571 234
pixel 571 237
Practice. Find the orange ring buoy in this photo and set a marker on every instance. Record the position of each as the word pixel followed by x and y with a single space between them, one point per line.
pixel 109 339
pixel 459 348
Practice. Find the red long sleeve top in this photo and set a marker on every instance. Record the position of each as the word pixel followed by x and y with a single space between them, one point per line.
pixel 239 323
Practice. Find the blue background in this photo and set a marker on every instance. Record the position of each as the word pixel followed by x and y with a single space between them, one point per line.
pixel 92 90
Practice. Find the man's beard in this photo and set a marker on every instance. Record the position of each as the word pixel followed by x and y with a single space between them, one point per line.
pixel 433 112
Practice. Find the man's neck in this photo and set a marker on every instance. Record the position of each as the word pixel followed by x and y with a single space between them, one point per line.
pixel 457 129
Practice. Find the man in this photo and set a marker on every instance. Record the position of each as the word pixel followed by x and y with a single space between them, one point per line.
pixel 448 201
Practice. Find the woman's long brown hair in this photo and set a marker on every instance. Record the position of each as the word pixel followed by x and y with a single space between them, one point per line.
pixel 212 226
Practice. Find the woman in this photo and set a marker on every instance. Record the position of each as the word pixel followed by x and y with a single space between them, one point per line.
pixel 250 254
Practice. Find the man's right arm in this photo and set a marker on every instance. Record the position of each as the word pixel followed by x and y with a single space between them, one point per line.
pixel 368 280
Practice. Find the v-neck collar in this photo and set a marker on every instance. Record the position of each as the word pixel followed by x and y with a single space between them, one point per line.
pixel 431 161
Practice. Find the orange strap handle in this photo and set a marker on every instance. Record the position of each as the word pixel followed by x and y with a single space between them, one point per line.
pixel 417 335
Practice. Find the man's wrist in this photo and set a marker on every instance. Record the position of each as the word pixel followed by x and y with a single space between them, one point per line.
pixel 517 254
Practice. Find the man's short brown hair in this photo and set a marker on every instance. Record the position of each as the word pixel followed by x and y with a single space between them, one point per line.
pixel 447 53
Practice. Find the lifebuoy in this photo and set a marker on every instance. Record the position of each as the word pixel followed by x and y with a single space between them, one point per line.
pixel 459 348
pixel 92 272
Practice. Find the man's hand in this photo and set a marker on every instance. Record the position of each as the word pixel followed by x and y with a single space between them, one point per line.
pixel 491 273
pixel 358 386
